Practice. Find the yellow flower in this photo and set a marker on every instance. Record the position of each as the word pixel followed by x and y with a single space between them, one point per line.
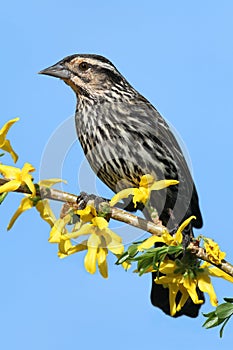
pixel 93 255
pixel 4 143
pixel 215 255
pixel 86 214
pixel 187 282
pixel 67 248
pixel 101 239
pixel 42 206
pixel 25 204
pixel 17 178
pixel 166 237
pixel 59 229
pixel 142 193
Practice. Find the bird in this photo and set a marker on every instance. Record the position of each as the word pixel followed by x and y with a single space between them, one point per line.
pixel 124 137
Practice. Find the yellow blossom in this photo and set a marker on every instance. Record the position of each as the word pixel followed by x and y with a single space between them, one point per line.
pixel 87 214
pixel 42 206
pixel 4 143
pixel 17 178
pixel 166 237
pixel 99 226
pixel 59 229
pixel 67 248
pixel 46 212
pixel 187 282
pixel 102 261
pixel 101 239
pixel 142 193
pixel 216 272
pixel 25 204
pixel 215 255
pixel 93 244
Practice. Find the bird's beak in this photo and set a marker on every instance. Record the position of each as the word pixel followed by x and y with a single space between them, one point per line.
pixel 57 70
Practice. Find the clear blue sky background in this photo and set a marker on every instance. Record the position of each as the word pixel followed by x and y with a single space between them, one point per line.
pixel 178 54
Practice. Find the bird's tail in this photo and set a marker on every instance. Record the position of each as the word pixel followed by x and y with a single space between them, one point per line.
pixel 160 294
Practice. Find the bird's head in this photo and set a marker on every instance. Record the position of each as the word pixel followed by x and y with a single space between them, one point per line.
pixel 88 75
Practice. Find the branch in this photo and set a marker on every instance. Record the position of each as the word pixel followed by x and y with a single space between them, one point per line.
pixel 201 254
pixel 114 213
pixel 118 215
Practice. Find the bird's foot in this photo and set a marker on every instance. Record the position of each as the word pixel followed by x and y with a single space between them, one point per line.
pixel 85 198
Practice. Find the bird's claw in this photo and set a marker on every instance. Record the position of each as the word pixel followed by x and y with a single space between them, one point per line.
pixel 84 198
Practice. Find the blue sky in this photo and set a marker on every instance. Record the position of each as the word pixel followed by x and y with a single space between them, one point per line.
pixel 179 55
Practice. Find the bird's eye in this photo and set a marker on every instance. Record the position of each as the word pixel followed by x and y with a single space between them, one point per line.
pixel 83 66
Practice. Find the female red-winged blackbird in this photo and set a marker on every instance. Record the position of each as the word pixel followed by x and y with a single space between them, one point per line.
pixel 124 137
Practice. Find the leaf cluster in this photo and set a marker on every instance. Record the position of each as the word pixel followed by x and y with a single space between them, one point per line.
pixel 220 315
pixel 150 259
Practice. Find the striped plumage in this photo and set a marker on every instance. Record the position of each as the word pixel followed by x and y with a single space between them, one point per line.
pixel 124 137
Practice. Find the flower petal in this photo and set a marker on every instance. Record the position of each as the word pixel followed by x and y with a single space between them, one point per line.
pixel 178 236
pixel 166 279
pixel 191 286
pixel 87 213
pixel 169 239
pixel 205 285
pixel 4 130
pixel 46 212
pixel 10 186
pixel 121 195
pixel 28 181
pixel 50 182
pixel 86 229
pixel 91 256
pixel 58 229
pixel 213 251
pixel 10 172
pixel 161 184
pixel 63 246
pixel 66 248
pixel 87 210
pixel 27 168
pixel 150 242
pixel 173 290
pixel 100 222
pixel 6 146
pixel 183 299
pixel 140 195
pixel 25 204
pixel 168 267
pixel 115 247
pixel 113 235
pixel 102 261
pixel 147 180
pixel 126 265
pixel 216 272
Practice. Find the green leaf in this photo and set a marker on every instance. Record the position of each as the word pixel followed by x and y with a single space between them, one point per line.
pixel 174 250
pixel 143 265
pixel 209 314
pixel 222 328
pixel 122 258
pixel 228 300
pixel 3 196
pixel 222 314
pixel 2 154
pixel 212 322
pixel 224 310
pixel 132 250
